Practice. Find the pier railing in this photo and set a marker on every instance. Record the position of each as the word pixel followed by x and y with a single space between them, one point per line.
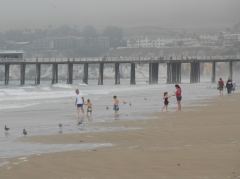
pixel 164 59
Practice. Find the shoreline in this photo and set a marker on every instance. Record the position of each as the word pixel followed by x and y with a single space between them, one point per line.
pixel 198 143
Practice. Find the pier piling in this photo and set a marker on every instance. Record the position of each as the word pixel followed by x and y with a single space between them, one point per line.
pixel 101 70
pixel 22 74
pixel 7 70
pixel 38 74
pixel 70 73
pixel 213 72
pixel 174 72
pixel 54 73
pixel 153 73
pixel 85 73
pixel 132 75
pixel 231 70
pixel 117 74
pixel 195 72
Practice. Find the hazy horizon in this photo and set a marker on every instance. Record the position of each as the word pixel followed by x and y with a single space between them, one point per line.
pixel 15 14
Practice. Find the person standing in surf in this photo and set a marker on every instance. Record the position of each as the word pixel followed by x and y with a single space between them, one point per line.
pixel 79 104
pixel 178 95
pixel 229 86
pixel 166 101
pixel 89 107
pixel 220 86
pixel 115 104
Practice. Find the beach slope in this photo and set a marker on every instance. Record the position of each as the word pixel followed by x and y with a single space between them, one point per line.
pixel 200 142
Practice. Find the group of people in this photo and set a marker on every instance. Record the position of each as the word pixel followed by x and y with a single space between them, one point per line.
pixel 80 102
pixel 177 94
pixel 230 86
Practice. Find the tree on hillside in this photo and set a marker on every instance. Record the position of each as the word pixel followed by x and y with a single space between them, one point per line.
pixel 89 32
pixel 115 35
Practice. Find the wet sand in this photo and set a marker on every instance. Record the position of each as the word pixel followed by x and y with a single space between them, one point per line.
pixel 201 143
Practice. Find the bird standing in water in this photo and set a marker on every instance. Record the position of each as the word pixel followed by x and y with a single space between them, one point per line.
pixel 6 128
pixel 24 132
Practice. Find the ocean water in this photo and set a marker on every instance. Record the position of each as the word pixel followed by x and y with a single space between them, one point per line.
pixel 39 109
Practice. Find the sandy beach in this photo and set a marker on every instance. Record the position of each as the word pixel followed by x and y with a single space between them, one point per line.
pixel 200 142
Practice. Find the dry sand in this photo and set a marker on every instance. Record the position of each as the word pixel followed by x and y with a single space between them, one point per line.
pixel 201 143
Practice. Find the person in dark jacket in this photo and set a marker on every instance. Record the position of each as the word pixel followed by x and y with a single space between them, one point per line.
pixel 229 86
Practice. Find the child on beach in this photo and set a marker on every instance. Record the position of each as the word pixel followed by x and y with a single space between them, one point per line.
pixel 89 107
pixel 115 104
pixel 79 104
pixel 166 102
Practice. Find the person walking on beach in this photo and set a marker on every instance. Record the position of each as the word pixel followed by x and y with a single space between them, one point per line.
pixel 79 104
pixel 220 86
pixel 229 86
pixel 166 102
pixel 178 95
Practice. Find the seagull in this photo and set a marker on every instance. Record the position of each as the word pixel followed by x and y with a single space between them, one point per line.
pixel 24 132
pixel 6 128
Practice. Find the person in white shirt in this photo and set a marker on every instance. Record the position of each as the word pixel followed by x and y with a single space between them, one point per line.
pixel 79 104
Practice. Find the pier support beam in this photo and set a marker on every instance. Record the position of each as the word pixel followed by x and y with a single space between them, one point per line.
pixel 213 72
pixel 38 74
pixel 100 77
pixel 117 74
pixel 153 73
pixel 132 75
pixel 85 73
pixel 70 73
pixel 174 72
pixel 22 74
pixel 195 72
pixel 54 73
pixel 7 70
pixel 231 70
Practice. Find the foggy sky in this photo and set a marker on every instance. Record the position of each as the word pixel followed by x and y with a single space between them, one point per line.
pixel 100 13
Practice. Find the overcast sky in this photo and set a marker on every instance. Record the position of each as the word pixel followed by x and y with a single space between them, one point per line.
pixel 165 13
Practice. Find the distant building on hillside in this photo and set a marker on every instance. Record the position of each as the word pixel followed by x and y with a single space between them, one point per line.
pixel 159 43
pixel 10 54
pixel 231 39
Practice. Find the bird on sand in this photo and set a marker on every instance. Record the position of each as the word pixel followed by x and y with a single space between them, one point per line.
pixel 24 132
pixel 6 128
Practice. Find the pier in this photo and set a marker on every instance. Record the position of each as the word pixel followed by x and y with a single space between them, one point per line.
pixel 173 66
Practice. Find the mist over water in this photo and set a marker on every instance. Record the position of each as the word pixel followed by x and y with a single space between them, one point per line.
pixel 171 13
